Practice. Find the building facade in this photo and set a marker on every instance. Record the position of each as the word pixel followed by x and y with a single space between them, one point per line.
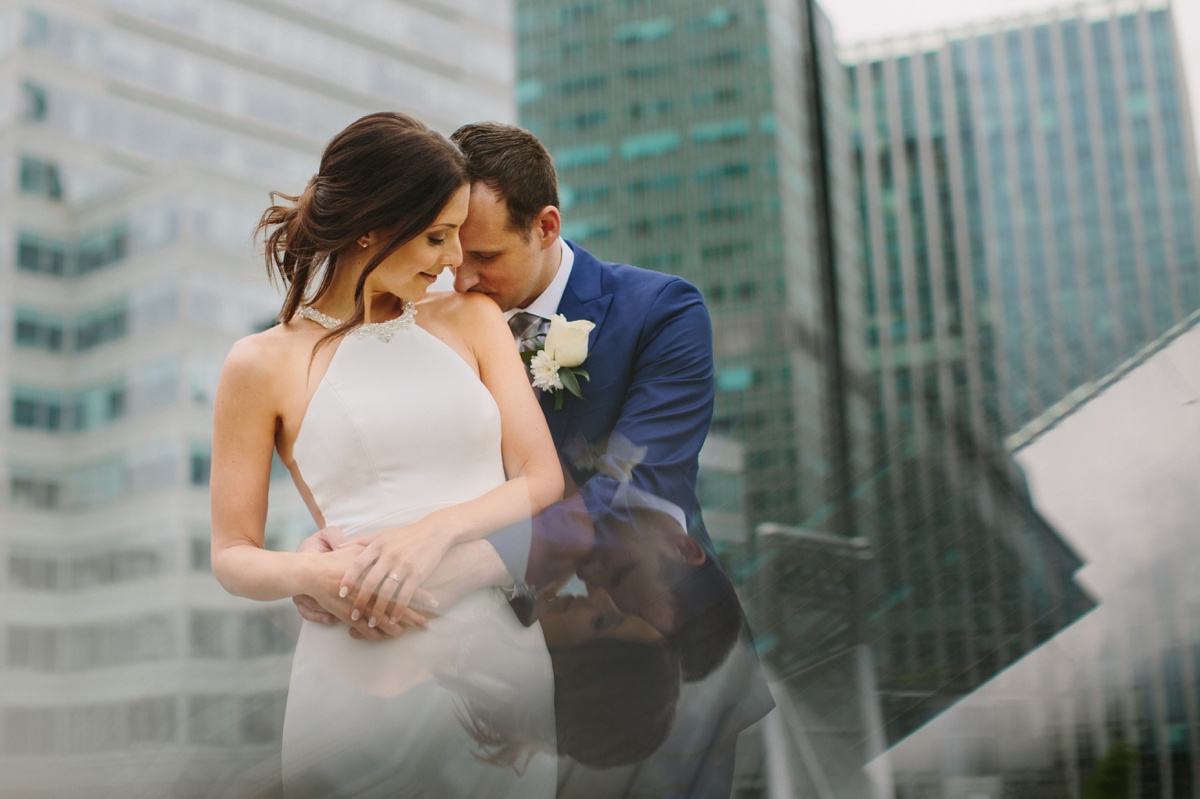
pixel 138 143
pixel 1029 197
pixel 698 140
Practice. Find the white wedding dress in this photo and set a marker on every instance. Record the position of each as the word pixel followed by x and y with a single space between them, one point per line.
pixel 401 426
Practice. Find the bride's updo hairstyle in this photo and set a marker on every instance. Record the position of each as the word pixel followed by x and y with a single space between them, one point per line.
pixel 387 172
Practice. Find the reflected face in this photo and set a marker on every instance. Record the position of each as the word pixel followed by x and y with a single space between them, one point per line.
pixel 410 269
pixel 497 261
pixel 574 620
pixel 632 575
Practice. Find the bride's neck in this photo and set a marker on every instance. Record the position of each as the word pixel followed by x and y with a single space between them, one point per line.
pixel 338 300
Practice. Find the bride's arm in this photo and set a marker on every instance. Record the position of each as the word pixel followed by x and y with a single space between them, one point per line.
pixel 530 461
pixel 245 415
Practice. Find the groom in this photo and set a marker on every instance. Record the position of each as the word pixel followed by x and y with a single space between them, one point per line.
pixel 646 408
pixel 631 444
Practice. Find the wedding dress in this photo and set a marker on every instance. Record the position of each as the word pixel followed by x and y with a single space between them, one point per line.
pixel 400 426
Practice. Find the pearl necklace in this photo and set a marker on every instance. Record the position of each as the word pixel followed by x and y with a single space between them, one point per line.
pixel 381 330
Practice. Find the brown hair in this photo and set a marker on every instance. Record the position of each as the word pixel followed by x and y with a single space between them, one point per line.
pixel 387 172
pixel 708 616
pixel 514 164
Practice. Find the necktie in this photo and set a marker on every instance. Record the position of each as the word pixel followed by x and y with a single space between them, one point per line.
pixel 524 326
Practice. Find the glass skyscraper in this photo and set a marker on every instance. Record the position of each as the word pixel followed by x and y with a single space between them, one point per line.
pixel 701 140
pixel 1029 197
pixel 140 140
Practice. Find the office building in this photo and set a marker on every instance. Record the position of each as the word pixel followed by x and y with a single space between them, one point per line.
pixel 138 143
pixel 695 140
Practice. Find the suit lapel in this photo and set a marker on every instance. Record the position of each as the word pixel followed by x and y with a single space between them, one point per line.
pixel 584 298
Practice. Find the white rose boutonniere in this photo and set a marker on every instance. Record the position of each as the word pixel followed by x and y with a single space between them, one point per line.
pixel 555 364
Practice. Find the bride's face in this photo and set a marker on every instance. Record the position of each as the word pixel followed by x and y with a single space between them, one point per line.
pixel 411 268
pixel 574 620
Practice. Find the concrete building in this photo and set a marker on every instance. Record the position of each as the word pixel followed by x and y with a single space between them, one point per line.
pixel 138 141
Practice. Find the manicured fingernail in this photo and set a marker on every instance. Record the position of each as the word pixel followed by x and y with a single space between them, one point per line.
pixel 354 615
pixel 432 602
pixel 371 623
pixel 392 621
pixel 345 590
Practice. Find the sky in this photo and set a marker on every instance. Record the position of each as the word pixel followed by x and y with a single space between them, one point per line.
pixel 867 20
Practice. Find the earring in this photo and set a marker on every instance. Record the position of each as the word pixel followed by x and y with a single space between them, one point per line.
pixel 364 244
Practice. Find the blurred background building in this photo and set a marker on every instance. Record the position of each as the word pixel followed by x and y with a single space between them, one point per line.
pixel 921 256
pixel 1110 706
pixel 703 140
pixel 718 142
pixel 138 142
pixel 1028 196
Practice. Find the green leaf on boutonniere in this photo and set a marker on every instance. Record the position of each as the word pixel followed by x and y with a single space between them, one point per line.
pixel 527 356
pixel 569 382
pixel 581 373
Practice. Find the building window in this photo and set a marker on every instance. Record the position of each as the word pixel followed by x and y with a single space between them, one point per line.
pixel 580 83
pixel 654 183
pixel 584 155
pixel 37 332
pixel 721 58
pixel 37 411
pixel 725 213
pixel 718 132
pixel 33 492
pixel 35 105
pixel 584 195
pixel 101 250
pixel 582 121
pixel 100 328
pixel 650 109
pixel 40 178
pixel 200 465
pixel 35 255
pixel 643 72
pixel 721 96
pixel 725 251
pixel 650 30
pixel 650 145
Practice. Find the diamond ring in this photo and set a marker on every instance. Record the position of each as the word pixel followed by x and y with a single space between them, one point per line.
pixel 394 576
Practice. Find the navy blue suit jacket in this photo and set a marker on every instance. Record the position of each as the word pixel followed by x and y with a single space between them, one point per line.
pixel 650 362
pixel 650 359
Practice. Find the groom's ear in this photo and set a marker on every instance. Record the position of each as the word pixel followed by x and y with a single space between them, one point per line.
pixel 547 226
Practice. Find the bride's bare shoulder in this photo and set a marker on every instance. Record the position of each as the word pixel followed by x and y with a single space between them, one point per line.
pixel 459 310
pixel 264 358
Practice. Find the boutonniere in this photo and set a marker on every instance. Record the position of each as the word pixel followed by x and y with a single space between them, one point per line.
pixel 555 364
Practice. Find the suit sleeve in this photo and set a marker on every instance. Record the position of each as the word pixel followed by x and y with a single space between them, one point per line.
pixel 661 425
pixel 666 413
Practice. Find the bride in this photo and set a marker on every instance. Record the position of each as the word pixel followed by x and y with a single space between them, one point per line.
pixel 407 421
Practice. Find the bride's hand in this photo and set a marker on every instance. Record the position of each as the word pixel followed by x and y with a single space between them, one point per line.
pixel 325 594
pixel 386 575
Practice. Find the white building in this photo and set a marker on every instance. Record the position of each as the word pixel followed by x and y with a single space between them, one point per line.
pixel 138 140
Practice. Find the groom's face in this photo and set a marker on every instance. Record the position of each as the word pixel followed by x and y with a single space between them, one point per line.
pixel 497 260
pixel 631 567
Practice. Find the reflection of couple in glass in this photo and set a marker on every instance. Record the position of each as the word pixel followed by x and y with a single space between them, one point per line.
pixel 410 428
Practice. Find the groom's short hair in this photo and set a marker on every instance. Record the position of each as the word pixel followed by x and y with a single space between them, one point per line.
pixel 514 164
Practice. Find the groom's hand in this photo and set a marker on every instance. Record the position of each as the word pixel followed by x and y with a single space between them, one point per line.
pixel 326 539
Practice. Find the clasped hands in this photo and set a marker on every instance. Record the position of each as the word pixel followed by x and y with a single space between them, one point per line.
pixel 379 591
